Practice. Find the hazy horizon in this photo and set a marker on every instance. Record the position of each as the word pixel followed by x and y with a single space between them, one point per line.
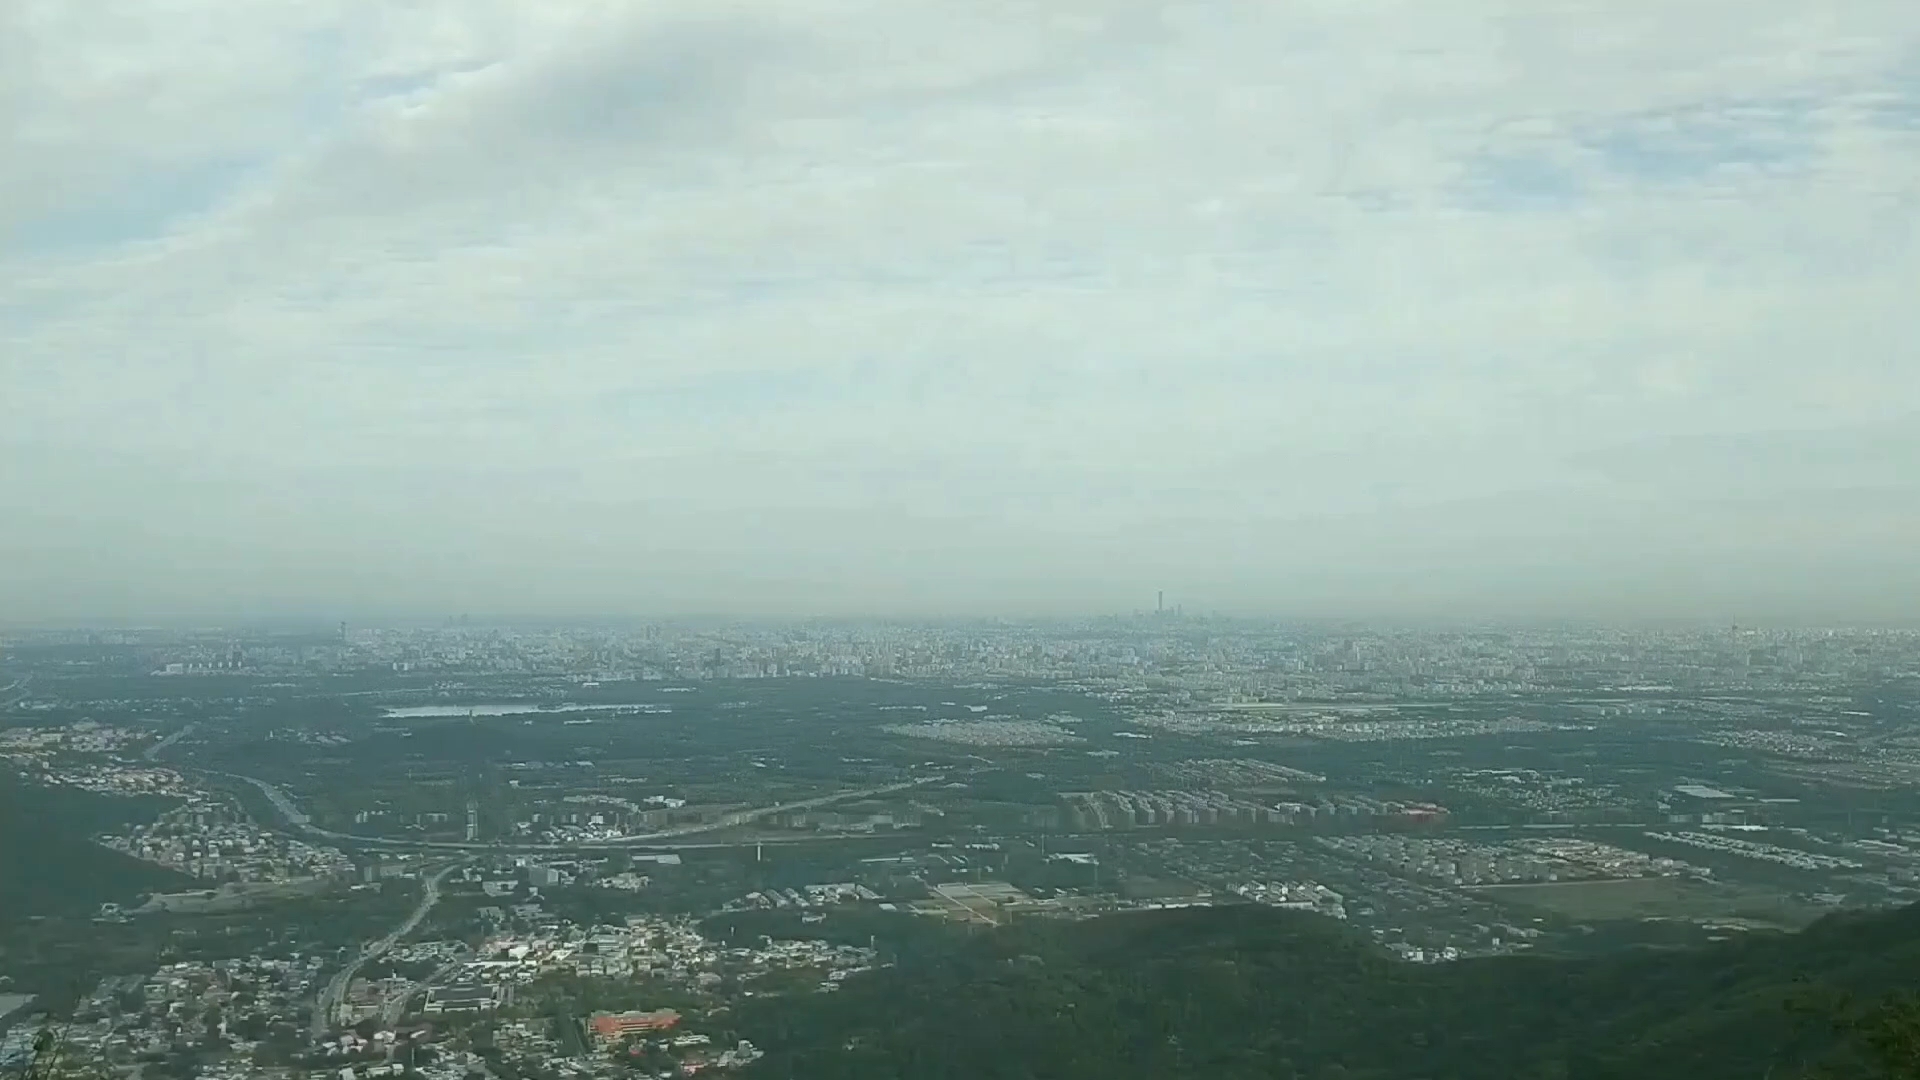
pixel 1383 312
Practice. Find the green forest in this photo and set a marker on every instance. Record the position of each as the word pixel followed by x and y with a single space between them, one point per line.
pixel 49 863
pixel 1222 993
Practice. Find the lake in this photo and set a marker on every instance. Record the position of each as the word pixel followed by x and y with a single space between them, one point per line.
pixel 513 708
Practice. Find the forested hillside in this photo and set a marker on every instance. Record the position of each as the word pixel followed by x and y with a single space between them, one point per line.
pixel 1235 992
pixel 48 861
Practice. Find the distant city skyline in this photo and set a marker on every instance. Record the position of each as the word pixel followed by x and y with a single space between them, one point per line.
pixel 234 634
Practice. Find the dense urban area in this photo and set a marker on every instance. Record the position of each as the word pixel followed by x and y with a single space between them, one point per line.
pixel 465 850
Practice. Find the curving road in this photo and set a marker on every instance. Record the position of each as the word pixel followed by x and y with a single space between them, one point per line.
pixel 15 692
pixel 327 1005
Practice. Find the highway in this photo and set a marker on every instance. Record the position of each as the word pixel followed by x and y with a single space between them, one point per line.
pixel 327 1005
pixel 668 838
pixel 743 817
pixel 153 752
pixel 284 803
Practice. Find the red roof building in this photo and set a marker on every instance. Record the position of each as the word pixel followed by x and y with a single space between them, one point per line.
pixel 612 1027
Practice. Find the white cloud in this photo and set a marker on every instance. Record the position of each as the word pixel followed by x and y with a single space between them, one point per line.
pixel 1101 289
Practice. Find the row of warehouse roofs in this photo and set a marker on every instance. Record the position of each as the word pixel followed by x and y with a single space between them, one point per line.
pixel 1124 809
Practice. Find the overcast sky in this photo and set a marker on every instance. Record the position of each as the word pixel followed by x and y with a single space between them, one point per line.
pixel 1384 308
